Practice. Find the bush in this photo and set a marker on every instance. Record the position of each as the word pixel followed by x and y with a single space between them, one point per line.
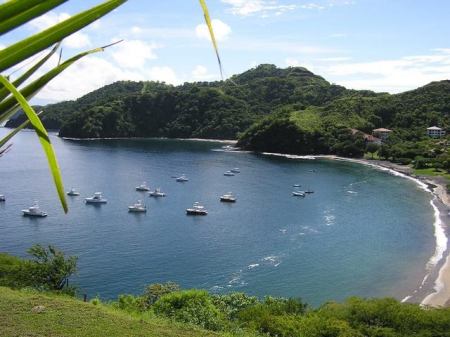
pixel 190 306
pixel 232 304
pixel 155 291
pixel 48 270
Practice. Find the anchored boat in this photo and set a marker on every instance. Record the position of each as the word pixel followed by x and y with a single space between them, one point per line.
pixel 34 211
pixel 157 193
pixel 138 207
pixel 73 192
pixel 97 198
pixel 143 187
pixel 228 197
pixel 197 209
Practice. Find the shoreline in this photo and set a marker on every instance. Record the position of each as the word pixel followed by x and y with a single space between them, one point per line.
pixel 434 290
pixel 224 141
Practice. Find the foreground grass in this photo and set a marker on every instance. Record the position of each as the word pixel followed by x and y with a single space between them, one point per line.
pixel 64 317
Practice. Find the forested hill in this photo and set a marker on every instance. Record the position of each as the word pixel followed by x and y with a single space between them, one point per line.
pixel 203 109
pixel 267 108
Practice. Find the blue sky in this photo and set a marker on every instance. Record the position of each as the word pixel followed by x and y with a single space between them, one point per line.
pixel 381 45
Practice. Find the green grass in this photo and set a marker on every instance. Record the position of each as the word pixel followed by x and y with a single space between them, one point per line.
pixel 308 119
pixel 432 173
pixel 65 316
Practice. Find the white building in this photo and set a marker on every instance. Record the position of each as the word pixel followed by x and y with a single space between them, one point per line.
pixel 435 132
pixel 382 133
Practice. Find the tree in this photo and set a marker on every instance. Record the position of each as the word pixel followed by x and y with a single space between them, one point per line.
pixel 50 269
pixel 372 148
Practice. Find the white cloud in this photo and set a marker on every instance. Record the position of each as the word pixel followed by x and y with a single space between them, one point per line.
pixel 136 30
pixel 94 72
pixel 313 5
pixel 394 75
pixel 200 73
pixel 134 53
pixel 263 8
pixel 221 30
pixel 77 40
pixel 47 20
pixel 163 74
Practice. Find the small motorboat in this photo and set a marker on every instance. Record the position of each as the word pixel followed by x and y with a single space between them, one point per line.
pixel 235 170
pixel 228 197
pixel 182 178
pixel 143 187
pixel 298 194
pixel 2 198
pixel 73 192
pixel 138 207
pixel 97 198
pixel 228 174
pixel 34 211
pixel 297 185
pixel 197 209
pixel 308 191
pixel 157 193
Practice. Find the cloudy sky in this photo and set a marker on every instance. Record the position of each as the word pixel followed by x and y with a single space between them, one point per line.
pixel 383 45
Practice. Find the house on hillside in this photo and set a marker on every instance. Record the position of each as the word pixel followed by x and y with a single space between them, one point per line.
pixel 435 132
pixel 382 133
pixel 367 138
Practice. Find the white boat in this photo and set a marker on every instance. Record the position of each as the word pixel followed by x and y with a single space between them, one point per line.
pixel 157 193
pixel 138 207
pixel 228 174
pixel 34 211
pixel 182 178
pixel 197 209
pixel 235 170
pixel 97 198
pixel 2 197
pixel 298 194
pixel 143 187
pixel 228 197
pixel 297 185
pixel 73 192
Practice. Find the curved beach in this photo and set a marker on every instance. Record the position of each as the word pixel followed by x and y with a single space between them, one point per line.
pixel 434 290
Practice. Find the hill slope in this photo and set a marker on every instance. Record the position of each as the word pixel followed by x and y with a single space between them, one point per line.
pixel 68 317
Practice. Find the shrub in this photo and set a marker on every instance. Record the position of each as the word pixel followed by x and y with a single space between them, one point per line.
pixel 190 306
pixel 232 304
pixel 155 291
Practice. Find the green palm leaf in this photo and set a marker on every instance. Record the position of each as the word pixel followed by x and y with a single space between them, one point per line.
pixel 27 14
pixel 43 138
pixel 4 93
pixel 22 126
pixel 211 33
pixel 34 44
pixel 14 7
pixel 9 106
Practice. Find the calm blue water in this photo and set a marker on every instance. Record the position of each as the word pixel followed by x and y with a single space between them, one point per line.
pixel 363 232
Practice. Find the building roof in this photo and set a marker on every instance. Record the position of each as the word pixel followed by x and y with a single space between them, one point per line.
pixel 434 128
pixel 382 130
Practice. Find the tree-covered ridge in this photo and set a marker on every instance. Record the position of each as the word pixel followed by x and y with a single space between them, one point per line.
pixel 203 109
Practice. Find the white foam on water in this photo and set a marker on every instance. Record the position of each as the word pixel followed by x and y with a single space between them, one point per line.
pixel 253 265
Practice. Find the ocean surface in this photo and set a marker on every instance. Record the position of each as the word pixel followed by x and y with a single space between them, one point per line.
pixel 363 232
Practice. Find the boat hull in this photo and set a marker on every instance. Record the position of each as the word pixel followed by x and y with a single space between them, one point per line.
pixel 227 200
pixel 35 215
pixel 195 212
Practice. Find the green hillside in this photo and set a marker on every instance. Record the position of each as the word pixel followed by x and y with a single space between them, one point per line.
pixel 68 317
